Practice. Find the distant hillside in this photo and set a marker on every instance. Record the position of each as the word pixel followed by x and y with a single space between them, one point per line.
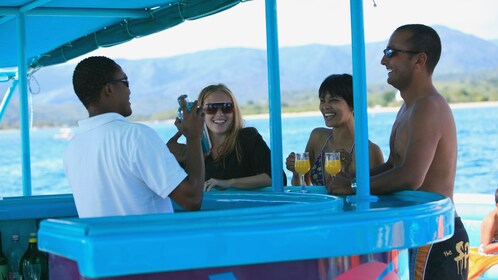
pixel 155 83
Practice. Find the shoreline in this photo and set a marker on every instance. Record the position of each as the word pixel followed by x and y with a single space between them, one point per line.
pixel 373 110
pixel 377 110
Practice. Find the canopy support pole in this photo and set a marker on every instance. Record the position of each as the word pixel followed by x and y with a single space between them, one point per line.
pixel 274 95
pixel 6 98
pixel 362 197
pixel 23 105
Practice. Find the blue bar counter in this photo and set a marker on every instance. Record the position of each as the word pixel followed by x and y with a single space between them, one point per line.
pixel 250 235
pixel 22 214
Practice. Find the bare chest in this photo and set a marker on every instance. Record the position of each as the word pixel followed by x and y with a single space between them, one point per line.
pixel 399 138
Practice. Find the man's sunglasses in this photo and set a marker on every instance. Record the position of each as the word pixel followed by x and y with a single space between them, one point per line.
pixel 212 108
pixel 123 80
pixel 390 52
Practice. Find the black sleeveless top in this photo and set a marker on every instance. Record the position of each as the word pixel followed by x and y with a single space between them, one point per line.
pixel 256 159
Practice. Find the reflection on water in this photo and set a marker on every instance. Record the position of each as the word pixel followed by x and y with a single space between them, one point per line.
pixel 476 167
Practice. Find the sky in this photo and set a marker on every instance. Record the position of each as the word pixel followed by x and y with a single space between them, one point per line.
pixel 315 22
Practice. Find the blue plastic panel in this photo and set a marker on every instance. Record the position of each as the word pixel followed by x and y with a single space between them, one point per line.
pixel 292 227
pixel 37 206
pixel 22 215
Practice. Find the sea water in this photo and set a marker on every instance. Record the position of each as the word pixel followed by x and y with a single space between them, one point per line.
pixel 477 166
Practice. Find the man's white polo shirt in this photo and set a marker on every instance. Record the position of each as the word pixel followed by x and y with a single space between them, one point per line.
pixel 115 167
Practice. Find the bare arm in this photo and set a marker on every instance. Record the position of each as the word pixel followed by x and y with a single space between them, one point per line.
pixel 375 156
pixel 290 162
pixel 177 149
pixel 341 183
pixel 313 140
pixel 420 133
pixel 244 183
pixel 381 168
pixel 191 190
pixel 488 228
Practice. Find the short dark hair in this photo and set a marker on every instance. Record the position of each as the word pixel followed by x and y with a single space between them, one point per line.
pixel 340 85
pixel 424 39
pixel 90 75
pixel 496 196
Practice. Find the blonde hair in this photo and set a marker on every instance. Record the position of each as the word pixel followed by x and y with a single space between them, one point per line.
pixel 230 143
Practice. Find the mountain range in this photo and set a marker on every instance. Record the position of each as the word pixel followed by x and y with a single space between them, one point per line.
pixel 156 83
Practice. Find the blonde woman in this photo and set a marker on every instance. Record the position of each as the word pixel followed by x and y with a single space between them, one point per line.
pixel 239 156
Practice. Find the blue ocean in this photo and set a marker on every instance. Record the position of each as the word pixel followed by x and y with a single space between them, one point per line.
pixel 477 169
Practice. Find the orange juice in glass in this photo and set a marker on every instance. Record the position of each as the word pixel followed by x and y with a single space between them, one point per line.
pixel 333 163
pixel 302 166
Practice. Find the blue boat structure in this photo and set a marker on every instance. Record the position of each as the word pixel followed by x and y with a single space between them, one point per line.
pixel 272 233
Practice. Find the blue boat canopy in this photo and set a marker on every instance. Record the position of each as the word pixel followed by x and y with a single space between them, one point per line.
pixel 60 30
pixel 37 33
pixel 47 32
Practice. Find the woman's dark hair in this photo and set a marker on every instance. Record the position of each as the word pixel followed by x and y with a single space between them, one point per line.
pixel 340 85
pixel 90 75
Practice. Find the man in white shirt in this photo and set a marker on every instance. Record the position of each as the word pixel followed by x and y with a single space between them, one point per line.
pixel 116 167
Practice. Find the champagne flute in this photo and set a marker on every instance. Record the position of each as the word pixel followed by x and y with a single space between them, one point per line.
pixel 333 163
pixel 302 166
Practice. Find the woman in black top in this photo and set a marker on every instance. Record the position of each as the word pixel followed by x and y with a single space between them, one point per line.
pixel 239 156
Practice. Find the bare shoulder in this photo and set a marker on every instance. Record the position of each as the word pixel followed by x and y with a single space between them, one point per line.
pixel 319 134
pixel 432 111
pixel 490 219
pixel 432 105
pixel 375 153
pixel 373 146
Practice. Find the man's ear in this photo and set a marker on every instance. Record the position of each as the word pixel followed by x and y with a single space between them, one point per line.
pixel 107 90
pixel 421 60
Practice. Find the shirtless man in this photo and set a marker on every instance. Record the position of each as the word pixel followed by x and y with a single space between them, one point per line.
pixel 489 231
pixel 423 145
